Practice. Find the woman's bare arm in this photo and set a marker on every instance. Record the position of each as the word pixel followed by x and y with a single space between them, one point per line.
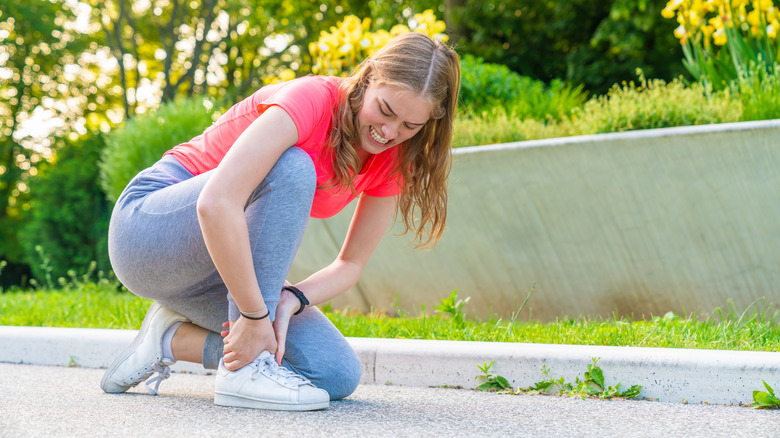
pixel 222 221
pixel 369 223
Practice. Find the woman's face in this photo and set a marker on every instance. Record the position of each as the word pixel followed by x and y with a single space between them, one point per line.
pixel 390 115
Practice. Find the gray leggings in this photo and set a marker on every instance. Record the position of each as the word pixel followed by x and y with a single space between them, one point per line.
pixel 157 252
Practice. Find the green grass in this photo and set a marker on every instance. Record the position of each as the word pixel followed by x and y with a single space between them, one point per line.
pixel 101 306
pixel 93 306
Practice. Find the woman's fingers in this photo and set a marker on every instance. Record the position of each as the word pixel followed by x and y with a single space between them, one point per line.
pixel 288 304
pixel 280 328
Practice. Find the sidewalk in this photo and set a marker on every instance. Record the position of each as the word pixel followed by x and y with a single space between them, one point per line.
pixel 668 375
pixel 37 401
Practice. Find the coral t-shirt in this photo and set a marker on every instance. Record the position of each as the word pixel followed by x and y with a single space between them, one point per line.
pixel 311 102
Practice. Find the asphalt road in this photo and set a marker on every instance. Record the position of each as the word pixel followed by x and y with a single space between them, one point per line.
pixel 37 401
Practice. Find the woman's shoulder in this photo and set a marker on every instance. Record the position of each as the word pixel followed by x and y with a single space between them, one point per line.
pixel 310 86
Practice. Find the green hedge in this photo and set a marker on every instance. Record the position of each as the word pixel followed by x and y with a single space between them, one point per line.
pixel 145 138
pixel 68 220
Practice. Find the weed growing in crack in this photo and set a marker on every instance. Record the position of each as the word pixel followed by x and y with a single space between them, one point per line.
pixel 765 400
pixel 591 385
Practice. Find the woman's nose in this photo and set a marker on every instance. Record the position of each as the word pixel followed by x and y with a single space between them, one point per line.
pixel 389 131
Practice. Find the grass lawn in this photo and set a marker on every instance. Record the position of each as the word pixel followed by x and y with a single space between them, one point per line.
pixel 101 306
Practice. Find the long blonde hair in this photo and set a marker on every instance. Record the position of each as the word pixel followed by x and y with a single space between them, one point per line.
pixel 425 67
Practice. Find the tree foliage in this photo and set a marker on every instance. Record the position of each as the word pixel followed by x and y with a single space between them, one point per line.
pixel 69 218
pixel 595 44
pixel 144 139
pixel 36 49
pixel 220 48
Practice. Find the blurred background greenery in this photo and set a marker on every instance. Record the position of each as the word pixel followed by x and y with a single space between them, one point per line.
pixel 91 90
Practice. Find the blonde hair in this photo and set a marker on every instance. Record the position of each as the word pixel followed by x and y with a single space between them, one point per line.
pixel 426 67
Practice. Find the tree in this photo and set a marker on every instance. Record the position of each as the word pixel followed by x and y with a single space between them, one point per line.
pixel 69 218
pixel 219 48
pixel 35 49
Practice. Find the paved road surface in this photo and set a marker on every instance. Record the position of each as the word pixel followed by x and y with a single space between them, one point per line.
pixel 37 401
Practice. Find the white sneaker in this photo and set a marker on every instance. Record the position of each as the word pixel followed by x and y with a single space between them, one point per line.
pixel 263 384
pixel 144 356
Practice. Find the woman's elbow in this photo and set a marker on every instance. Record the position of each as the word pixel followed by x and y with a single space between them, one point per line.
pixel 209 207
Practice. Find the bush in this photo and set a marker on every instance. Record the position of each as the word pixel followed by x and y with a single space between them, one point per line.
pixel 497 126
pixel 654 104
pixel 145 138
pixel 759 91
pixel 485 86
pixel 69 214
pixel 581 41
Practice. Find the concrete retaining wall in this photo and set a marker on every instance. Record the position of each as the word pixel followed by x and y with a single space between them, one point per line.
pixel 644 222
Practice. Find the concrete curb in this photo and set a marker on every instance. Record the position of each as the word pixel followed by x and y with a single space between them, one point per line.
pixel 670 375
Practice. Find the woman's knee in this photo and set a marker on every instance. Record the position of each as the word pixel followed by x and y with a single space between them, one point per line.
pixel 294 173
pixel 342 380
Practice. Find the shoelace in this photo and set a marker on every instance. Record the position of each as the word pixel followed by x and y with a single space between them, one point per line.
pixel 163 372
pixel 269 367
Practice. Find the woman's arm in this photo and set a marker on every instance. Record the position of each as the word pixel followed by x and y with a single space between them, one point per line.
pixel 369 223
pixel 222 221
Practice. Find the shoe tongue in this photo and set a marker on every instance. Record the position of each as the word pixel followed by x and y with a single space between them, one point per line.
pixel 264 355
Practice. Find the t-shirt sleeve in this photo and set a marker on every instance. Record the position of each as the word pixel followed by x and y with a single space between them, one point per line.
pixel 309 103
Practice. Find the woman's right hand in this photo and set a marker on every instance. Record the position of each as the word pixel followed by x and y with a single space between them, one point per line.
pixel 246 340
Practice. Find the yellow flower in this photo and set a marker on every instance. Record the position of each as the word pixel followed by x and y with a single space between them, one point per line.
pixel 672 5
pixel 351 22
pixel 716 22
pixel 694 19
pixel 762 5
pixel 427 24
pixel 398 29
pixel 741 13
pixel 287 75
pixel 701 6
pixel 667 12
pixel 771 30
pixel 719 37
pixel 707 32
pixel 681 34
pixel 754 18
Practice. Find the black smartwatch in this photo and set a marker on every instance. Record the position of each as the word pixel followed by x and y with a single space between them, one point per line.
pixel 300 295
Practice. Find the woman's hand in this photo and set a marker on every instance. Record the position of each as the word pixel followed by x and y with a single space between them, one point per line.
pixel 288 304
pixel 245 340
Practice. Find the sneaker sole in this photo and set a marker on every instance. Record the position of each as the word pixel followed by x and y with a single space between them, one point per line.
pixel 238 401
pixel 105 383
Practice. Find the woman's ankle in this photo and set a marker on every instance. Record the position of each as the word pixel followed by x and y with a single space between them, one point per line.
pixel 187 343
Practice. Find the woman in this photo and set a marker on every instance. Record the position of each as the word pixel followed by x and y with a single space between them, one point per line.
pixel 210 231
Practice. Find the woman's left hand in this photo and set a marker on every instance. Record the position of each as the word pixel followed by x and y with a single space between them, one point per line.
pixel 288 305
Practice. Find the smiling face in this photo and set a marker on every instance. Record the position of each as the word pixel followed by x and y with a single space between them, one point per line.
pixel 389 116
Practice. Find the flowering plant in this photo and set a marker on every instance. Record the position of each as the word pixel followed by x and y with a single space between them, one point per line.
pixel 341 49
pixel 721 39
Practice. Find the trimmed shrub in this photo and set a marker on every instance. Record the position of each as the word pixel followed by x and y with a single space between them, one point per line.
pixel 654 104
pixel 68 223
pixel 145 138
pixel 759 92
pixel 485 86
pixel 497 126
